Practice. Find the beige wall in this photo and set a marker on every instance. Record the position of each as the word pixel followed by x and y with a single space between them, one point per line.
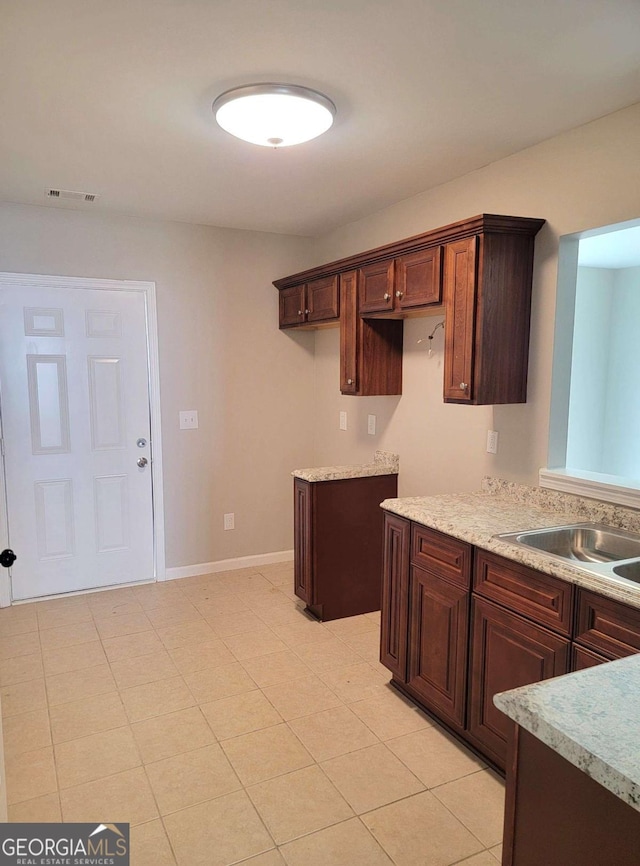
pixel 585 178
pixel 220 353
pixel 265 403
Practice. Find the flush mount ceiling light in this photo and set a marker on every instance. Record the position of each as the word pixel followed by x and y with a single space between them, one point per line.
pixel 274 115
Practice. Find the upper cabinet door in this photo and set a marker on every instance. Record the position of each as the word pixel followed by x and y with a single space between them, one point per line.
pixel 323 303
pixel 349 332
pixel 419 279
pixel 460 292
pixel 292 306
pixel 376 287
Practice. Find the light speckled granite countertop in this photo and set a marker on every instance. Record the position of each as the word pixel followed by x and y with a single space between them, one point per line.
pixel 503 506
pixel 384 463
pixel 591 719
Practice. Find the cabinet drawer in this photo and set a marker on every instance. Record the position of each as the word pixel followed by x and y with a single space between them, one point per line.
pixel 540 597
pixel 607 626
pixel 447 556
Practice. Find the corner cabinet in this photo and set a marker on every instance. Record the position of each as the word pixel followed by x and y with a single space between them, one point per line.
pixel 480 269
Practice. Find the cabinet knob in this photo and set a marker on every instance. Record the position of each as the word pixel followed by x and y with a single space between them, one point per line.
pixel 387 296
pixel 299 312
pixel 307 312
pixel 398 294
pixel 463 386
pixel 349 381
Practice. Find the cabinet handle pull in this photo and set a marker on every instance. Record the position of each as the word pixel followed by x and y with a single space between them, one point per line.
pixel 398 294
pixel 387 296
pixel 463 386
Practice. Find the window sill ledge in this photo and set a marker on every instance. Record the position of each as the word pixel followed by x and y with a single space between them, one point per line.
pixel 607 488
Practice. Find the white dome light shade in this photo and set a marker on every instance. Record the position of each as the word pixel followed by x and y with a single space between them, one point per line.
pixel 274 115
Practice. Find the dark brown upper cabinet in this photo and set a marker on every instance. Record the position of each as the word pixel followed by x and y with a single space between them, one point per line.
pixel 480 269
pixel 376 287
pixel 402 286
pixel 370 350
pixel 310 304
pixel 487 293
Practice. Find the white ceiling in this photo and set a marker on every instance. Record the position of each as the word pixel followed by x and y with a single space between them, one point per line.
pixel 114 97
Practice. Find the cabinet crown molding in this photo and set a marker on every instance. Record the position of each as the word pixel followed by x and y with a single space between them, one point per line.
pixel 483 223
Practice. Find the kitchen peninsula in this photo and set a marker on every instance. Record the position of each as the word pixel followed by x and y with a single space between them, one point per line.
pixel 576 745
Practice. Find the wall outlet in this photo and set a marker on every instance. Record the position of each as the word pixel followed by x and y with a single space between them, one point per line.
pixel 343 420
pixel 492 441
pixel 230 521
pixel 371 425
pixel 188 419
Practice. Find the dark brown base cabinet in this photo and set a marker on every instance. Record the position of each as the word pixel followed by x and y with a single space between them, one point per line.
pixel 507 652
pixel 460 625
pixel 338 544
pixel 556 815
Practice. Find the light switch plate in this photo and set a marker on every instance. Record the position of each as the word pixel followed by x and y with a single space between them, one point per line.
pixel 230 520
pixel 343 420
pixel 371 425
pixel 188 419
pixel 492 441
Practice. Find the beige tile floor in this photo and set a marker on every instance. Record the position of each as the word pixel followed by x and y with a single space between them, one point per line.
pixel 228 727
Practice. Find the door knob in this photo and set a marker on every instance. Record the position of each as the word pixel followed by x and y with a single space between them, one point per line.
pixel 142 462
pixel 7 558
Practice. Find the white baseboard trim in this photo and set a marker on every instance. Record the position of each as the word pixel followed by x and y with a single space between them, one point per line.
pixel 229 564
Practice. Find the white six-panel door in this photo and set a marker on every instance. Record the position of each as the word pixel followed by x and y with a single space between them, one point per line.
pixel 74 381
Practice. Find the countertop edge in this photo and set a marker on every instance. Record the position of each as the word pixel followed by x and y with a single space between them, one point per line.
pixel 524 706
pixel 443 518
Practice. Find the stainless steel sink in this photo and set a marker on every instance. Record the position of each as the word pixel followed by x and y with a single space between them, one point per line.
pixel 592 547
pixel 630 571
pixel 585 542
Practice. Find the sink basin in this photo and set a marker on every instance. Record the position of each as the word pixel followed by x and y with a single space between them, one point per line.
pixel 630 571
pixel 592 547
pixel 581 542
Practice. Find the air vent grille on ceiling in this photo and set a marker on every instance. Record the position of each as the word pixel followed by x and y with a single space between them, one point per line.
pixel 70 195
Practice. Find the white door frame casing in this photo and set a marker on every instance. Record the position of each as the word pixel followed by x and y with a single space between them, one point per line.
pixel 148 290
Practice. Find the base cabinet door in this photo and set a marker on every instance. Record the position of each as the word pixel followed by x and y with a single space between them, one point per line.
pixel 302 536
pixel 507 651
pixel 395 590
pixel 438 630
pixel 582 658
